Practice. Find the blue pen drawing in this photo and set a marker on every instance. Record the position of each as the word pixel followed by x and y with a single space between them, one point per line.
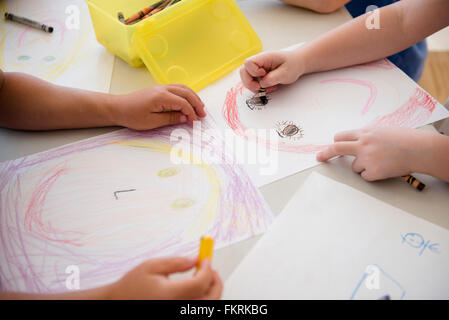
pixel 417 241
pixel 386 285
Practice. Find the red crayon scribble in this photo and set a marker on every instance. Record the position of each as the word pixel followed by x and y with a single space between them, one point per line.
pixel 415 111
pixel 369 85
pixel 33 216
pixel 412 113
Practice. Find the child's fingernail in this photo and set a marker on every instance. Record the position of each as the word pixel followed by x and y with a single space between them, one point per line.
pixel 205 262
pixel 182 118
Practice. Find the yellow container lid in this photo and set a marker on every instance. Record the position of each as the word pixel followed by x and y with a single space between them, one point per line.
pixel 195 42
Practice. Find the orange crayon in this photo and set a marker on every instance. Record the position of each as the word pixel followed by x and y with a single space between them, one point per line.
pixel 142 13
pixel 206 250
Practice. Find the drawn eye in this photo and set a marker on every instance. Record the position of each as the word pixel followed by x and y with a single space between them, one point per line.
pixel 289 130
pixel 49 58
pixel 182 203
pixel 23 58
pixel 257 101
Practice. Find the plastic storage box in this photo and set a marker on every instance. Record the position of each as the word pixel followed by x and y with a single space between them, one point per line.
pixel 193 42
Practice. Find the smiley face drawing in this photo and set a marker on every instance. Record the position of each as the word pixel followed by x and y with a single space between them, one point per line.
pixel 108 203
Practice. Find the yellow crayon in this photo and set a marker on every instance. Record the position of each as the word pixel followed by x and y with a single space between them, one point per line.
pixel 206 250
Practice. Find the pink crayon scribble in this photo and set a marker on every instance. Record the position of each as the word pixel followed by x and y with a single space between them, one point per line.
pixel 49 21
pixel 33 216
pixel 369 85
pixel 415 111
pixel 231 115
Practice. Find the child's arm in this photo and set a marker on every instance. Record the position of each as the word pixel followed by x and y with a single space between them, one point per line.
pixel 29 103
pixel 402 24
pixel 150 280
pixel 321 6
pixel 392 152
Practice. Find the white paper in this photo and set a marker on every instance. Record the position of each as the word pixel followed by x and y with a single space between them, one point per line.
pixel 70 56
pixel 334 242
pixel 316 107
pixel 105 204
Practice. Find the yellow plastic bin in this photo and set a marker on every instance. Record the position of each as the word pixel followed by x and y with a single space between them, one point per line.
pixel 193 42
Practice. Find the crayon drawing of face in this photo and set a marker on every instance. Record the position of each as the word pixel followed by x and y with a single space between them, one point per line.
pixel 363 101
pixel 114 201
pixel 39 53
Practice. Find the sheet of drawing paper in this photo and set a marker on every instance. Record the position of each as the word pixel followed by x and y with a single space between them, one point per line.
pixel 307 114
pixel 105 204
pixel 70 56
pixel 334 242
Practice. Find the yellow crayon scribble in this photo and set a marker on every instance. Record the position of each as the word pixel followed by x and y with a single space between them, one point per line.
pixel 168 172
pixel 69 59
pixel 182 203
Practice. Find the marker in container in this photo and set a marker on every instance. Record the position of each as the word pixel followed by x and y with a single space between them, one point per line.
pixel 206 250
pixel 28 22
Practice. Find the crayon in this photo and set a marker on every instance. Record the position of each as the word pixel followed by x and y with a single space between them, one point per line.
pixel 152 12
pixel 28 22
pixel 262 93
pixel 206 250
pixel 142 13
pixel 411 180
pixel 121 17
pixel 263 96
pixel 159 8
pixel 385 297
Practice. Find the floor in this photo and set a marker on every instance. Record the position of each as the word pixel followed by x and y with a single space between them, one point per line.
pixel 435 78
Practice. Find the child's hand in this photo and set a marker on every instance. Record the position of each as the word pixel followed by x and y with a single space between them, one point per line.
pixel 271 68
pixel 150 281
pixel 383 153
pixel 157 106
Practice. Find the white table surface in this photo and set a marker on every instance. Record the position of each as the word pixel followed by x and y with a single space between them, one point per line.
pixel 278 26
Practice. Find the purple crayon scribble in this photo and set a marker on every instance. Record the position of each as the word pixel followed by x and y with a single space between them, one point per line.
pixel 34 255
